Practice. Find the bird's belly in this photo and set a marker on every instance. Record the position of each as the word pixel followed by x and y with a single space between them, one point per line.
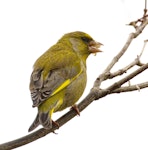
pixel 73 92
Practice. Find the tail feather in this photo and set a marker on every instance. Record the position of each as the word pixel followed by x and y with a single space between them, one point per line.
pixel 43 119
pixel 34 124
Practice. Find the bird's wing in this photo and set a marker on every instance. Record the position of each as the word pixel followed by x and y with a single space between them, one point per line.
pixel 45 84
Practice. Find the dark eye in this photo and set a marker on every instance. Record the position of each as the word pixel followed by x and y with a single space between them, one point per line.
pixel 86 40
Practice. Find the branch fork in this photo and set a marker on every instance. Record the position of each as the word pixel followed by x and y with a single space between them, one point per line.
pixel 96 92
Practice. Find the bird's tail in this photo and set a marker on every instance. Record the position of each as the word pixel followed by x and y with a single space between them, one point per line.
pixel 43 119
pixel 34 124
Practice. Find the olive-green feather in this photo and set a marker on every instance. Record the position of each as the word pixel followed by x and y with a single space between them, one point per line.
pixel 59 77
pixel 48 77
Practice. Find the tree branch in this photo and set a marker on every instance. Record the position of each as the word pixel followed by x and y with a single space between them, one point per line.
pixel 42 132
pixel 95 93
pixel 106 72
pixel 118 84
pixel 129 66
pixel 131 88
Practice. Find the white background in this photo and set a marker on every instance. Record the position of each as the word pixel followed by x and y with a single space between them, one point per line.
pixel 28 28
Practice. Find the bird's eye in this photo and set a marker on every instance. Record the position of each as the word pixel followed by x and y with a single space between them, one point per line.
pixel 85 39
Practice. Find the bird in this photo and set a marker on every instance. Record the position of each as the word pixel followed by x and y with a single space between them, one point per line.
pixel 59 76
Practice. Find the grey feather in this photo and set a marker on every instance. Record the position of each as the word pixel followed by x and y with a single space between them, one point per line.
pixel 42 90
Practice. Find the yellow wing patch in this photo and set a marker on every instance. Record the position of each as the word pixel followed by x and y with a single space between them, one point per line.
pixel 65 84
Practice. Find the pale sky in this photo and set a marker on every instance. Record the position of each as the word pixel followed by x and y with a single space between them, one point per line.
pixel 28 28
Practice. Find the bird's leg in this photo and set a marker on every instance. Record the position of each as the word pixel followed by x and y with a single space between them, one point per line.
pixel 56 124
pixel 75 107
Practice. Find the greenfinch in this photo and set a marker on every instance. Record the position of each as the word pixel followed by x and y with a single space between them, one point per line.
pixel 59 76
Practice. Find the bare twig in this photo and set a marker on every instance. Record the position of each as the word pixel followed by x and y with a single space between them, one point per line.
pixel 103 76
pixel 137 62
pixel 125 69
pixel 95 93
pixel 141 20
pixel 145 9
pixel 106 72
pixel 131 88
pixel 118 84
pixel 145 42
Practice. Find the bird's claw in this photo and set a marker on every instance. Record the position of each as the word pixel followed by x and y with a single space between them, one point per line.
pixel 75 107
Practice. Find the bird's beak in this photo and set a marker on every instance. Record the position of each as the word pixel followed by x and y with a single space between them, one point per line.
pixel 94 47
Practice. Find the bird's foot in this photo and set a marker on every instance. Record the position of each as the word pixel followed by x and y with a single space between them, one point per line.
pixel 56 124
pixel 75 107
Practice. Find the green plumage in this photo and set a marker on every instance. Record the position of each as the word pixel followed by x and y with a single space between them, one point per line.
pixel 59 77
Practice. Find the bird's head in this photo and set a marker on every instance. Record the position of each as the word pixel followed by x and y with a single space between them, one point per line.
pixel 82 43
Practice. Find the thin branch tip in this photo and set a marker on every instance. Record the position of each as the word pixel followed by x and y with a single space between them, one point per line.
pixel 96 91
